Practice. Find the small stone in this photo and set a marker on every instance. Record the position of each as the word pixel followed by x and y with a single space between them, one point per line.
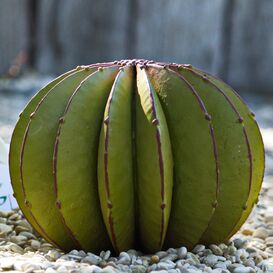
pixel 242 269
pixel 247 232
pixel 269 217
pixel 269 250
pixel 17 249
pixel 3 220
pixel 154 259
pixel 74 257
pixel 124 258
pixel 62 269
pixel 249 263
pixel 74 252
pixel 161 254
pixel 239 243
pixel 19 239
pixel 216 250
pixel 27 234
pixel 28 249
pixel 165 265
pixel 107 255
pixel 231 250
pixel 109 269
pixel 5 229
pixel 258 259
pixel 46 245
pixel 53 255
pixel 81 253
pixel 14 216
pixel 24 223
pixel 261 233
pixel 241 255
pixel 138 269
pixel 4 214
pixel 182 252
pixel 170 257
pixel 171 251
pixel 251 250
pixel 269 241
pixel 193 258
pixel 35 244
pixel 19 229
pixel 132 252
pixel 91 259
pixel 220 265
pixel 198 248
pixel 210 260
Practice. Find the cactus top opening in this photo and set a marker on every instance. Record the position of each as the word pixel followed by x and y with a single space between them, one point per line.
pixel 136 154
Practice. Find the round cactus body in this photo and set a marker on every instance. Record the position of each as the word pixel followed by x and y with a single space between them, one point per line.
pixel 136 154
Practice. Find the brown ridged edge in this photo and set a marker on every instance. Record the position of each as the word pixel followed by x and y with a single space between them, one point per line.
pixel 55 155
pixel 213 138
pixel 240 119
pixel 207 117
pixel 160 159
pixel 109 203
pixel 21 162
pixel 250 113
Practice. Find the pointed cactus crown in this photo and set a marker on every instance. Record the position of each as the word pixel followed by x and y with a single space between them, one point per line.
pixel 136 154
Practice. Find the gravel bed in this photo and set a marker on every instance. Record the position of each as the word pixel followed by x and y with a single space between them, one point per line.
pixel 249 251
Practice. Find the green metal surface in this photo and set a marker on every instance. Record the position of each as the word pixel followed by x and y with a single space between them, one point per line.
pixel 154 166
pixel 37 159
pixel 194 161
pixel 15 149
pixel 234 165
pixel 257 152
pixel 115 163
pixel 75 160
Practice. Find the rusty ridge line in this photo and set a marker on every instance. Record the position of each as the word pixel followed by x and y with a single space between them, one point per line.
pixel 24 140
pixel 240 119
pixel 207 117
pixel 214 142
pixel 62 120
pixel 251 113
pixel 215 149
pixel 106 143
pixel 23 150
pixel 55 158
pixel 27 203
pixel 160 159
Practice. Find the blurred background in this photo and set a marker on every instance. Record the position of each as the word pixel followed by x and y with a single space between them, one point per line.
pixel 39 39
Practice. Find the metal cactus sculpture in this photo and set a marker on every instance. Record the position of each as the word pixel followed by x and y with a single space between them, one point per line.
pixel 136 154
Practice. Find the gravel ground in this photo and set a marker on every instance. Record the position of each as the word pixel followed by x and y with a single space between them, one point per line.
pixel 250 250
